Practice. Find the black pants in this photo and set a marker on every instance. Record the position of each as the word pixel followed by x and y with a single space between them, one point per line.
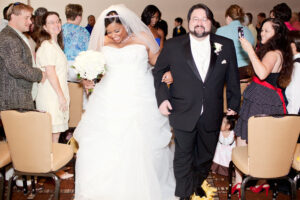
pixel 194 152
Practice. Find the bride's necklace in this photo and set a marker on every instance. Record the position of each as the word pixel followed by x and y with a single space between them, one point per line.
pixel 126 39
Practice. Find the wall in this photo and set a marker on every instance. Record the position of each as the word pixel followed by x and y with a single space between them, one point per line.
pixel 170 8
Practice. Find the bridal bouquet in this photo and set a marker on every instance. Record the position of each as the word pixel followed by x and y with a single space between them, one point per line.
pixel 89 64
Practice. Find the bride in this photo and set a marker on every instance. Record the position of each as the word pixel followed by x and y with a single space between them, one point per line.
pixel 123 139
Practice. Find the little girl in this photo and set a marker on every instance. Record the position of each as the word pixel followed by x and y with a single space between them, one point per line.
pixel 225 145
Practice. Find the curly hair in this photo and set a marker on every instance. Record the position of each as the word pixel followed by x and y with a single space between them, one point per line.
pixel 281 43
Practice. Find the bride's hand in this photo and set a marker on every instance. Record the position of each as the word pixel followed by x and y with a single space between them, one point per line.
pixel 87 85
pixel 167 78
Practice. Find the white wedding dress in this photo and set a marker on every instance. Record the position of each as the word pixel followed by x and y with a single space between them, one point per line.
pixel 123 139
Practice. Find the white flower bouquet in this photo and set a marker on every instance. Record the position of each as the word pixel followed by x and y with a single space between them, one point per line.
pixel 90 64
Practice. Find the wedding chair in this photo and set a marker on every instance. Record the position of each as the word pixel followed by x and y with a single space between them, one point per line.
pixel 296 163
pixel 4 161
pixel 269 154
pixel 29 137
pixel 76 100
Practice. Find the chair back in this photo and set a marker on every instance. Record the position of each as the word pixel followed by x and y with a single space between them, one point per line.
pixel 76 101
pixel 29 137
pixel 271 144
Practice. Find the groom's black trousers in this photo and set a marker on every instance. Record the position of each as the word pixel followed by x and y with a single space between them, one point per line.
pixel 194 152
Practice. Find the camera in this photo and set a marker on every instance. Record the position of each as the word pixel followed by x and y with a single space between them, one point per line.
pixel 241 31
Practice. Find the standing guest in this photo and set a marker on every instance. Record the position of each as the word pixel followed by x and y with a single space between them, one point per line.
pixel 178 30
pixel 201 64
pixel 16 72
pixel 91 23
pixel 251 27
pixel 260 18
pixel 283 11
pixel 75 37
pixel 150 16
pixel 272 65
pixel 163 25
pixel 53 95
pixel 38 14
pixel 292 91
pixel 294 21
pixel 234 18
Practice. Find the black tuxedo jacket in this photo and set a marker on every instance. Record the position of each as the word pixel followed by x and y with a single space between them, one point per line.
pixel 182 31
pixel 189 92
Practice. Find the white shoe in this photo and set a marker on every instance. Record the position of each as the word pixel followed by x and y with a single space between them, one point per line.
pixel 19 182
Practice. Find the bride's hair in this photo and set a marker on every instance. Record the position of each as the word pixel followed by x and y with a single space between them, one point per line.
pixel 112 17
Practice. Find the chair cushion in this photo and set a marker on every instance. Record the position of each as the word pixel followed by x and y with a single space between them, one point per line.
pixel 4 154
pixel 240 158
pixel 296 161
pixel 62 154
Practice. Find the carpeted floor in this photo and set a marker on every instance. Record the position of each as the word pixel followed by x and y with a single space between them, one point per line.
pixel 45 189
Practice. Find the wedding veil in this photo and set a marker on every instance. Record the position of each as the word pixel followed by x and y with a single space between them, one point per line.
pixel 130 21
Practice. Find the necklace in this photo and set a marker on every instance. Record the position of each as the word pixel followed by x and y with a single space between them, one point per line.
pixel 126 39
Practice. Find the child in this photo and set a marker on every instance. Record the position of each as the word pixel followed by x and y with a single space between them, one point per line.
pixel 224 148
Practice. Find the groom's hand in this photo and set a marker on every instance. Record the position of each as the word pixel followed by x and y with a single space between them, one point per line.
pixel 164 108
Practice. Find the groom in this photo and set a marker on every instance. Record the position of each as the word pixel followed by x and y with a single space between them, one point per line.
pixel 201 63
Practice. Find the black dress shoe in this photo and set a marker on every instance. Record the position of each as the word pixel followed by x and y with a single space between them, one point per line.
pixel 200 192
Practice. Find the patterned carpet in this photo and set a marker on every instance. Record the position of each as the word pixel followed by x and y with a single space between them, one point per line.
pixel 45 190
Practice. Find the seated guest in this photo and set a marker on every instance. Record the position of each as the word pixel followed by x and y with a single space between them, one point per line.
pixel 292 91
pixel 178 30
pixel 91 23
pixel 75 37
pixel 234 18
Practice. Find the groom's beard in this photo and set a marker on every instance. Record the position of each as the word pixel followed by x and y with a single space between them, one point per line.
pixel 199 34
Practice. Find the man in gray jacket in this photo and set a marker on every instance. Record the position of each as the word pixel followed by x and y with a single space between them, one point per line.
pixel 16 72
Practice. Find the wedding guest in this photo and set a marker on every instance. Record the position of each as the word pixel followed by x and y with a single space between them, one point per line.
pixel 292 91
pixel 251 27
pixel 283 12
pixel 75 37
pixel 294 21
pixel 150 16
pixel 163 25
pixel 17 74
pixel 53 95
pixel 234 17
pixel 260 18
pixel 91 22
pixel 178 30
pixel 272 65
pixel 37 25
pixel 4 21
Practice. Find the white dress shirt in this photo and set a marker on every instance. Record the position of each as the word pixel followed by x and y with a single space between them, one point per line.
pixel 292 91
pixel 201 53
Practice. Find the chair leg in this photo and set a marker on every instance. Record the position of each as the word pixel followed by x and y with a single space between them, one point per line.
pixel 33 189
pixel 230 170
pixel 9 192
pixel 275 191
pixel 243 187
pixel 293 188
pixel 25 188
pixel 296 178
pixel 57 186
pixel 1 186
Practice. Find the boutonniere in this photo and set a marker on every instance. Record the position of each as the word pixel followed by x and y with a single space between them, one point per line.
pixel 218 48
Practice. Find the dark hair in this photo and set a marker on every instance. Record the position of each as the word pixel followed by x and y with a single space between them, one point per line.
pixel 40 11
pixel 163 25
pixel 261 14
pixel 208 12
pixel 179 20
pixel 231 119
pixel 90 16
pixel 235 12
pixel 279 42
pixel 44 35
pixel 73 10
pixel 148 13
pixel 283 12
pixel 250 17
pixel 112 17
pixel 5 11
pixel 294 37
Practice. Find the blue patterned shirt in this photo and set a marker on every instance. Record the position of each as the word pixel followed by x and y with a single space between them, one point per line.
pixel 76 39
